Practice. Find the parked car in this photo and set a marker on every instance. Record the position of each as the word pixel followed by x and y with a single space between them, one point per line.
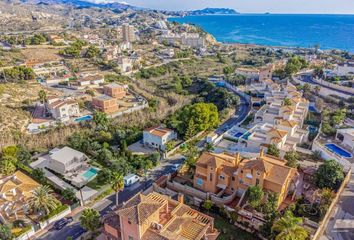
pixel 130 180
pixel 58 225
pixel 77 234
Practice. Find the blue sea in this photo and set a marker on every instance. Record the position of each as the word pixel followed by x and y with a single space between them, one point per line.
pixel 330 31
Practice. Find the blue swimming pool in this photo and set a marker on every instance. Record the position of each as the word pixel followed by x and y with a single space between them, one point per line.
pixel 84 118
pixel 90 173
pixel 312 109
pixel 338 150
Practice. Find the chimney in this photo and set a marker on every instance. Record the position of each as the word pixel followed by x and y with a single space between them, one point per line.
pixel 181 198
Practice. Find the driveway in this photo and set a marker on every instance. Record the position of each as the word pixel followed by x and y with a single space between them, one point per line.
pixel 106 205
pixel 341 224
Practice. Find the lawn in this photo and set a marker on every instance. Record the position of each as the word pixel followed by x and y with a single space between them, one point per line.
pixel 230 232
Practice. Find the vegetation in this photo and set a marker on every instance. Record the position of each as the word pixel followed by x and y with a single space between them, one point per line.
pixel 294 65
pixel 273 150
pixel 292 158
pixel 74 50
pixel 329 175
pixel 43 200
pixel 68 194
pixel 204 116
pixel 207 205
pixel 90 219
pixel 255 195
pixel 92 51
pixel 5 232
pixel 117 185
pixel 289 227
pixel 18 73
pixel 331 119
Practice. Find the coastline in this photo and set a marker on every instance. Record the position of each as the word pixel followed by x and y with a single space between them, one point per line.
pixel 301 44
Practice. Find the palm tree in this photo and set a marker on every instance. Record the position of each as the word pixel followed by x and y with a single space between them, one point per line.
pixel 90 219
pixel 289 227
pixel 43 200
pixel 117 184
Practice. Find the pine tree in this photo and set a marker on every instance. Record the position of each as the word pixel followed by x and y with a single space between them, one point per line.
pixel 190 132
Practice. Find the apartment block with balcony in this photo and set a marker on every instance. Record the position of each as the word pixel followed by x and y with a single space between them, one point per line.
pixel 115 90
pixel 155 216
pixel 217 173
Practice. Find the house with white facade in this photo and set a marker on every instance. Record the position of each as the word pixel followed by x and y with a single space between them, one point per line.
pixel 62 109
pixel 158 137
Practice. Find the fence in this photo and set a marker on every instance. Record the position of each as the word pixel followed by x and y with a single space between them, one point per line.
pixel 331 208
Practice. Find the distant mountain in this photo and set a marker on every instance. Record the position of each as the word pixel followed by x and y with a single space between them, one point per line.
pixel 213 11
pixel 86 4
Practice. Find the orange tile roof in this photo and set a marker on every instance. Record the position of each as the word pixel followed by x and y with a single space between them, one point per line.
pixel 158 131
pixel 288 123
pixel 277 133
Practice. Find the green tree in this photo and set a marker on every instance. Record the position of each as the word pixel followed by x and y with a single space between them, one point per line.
pixel 104 176
pixel 42 95
pixel 307 87
pixel 287 102
pixel 23 155
pixel 292 158
pixel 207 205
pixel 38 174
pixel 92 51
pixel 117 185
pixel 228 70
pixel 68 194
pixel 273 150
pixel 289 227
pixel 101 120
pixel 190 132
pixel 5 232
pixel 255 195
pixel 9 151
pixel 329 175
pixel 7 166
pixel 316 155
pixel 90 219
pixel 43 200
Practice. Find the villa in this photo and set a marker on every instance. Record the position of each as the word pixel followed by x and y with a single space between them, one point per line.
pixel 216 173
pixel 62 109
pixel 157 137
pixel 72 164
pixel 155 216
pixel 339 148
pixel 16 190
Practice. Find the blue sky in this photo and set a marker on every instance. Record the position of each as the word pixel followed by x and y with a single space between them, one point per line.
pixel 251 6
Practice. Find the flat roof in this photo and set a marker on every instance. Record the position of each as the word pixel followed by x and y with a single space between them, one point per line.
pixel 66 154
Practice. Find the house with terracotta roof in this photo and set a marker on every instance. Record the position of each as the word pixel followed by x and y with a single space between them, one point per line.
pixel 62 109
pixel 158 137
pixel 15 193
pixel 216 173
pixel 158 217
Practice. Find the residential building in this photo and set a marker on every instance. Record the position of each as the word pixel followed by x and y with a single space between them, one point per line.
pixel 155 216
pixel 94 79
pixel 193 40
pixel 125 64
pixel 105 103
pixel 114 90
pixel 111 53
pixel 66 160
pixel 249 73
pixel 346 136
pixel 15 192
pixel 345 69
pixel 62 109
pixel 158 137
pixel 128 33
pixel 216 173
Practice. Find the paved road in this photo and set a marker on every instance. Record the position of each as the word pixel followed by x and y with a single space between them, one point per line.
pixel 106 205
pixel 341 225
pixel 307 77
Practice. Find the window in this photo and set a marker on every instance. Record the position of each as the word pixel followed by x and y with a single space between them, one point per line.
pixel 130 238
pixel 258 173
pixel 233 178
pixel 241 181
pixel 210 177
pixel 199 181
pixel 241 171
pixel 222 177
pixel 257 182
pixel 232 189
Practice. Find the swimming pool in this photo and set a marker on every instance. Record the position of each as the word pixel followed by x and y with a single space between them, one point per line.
pixel 84 118
pixel 338 150
pixel 90 173
pixel 312 109
pixel 239 134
